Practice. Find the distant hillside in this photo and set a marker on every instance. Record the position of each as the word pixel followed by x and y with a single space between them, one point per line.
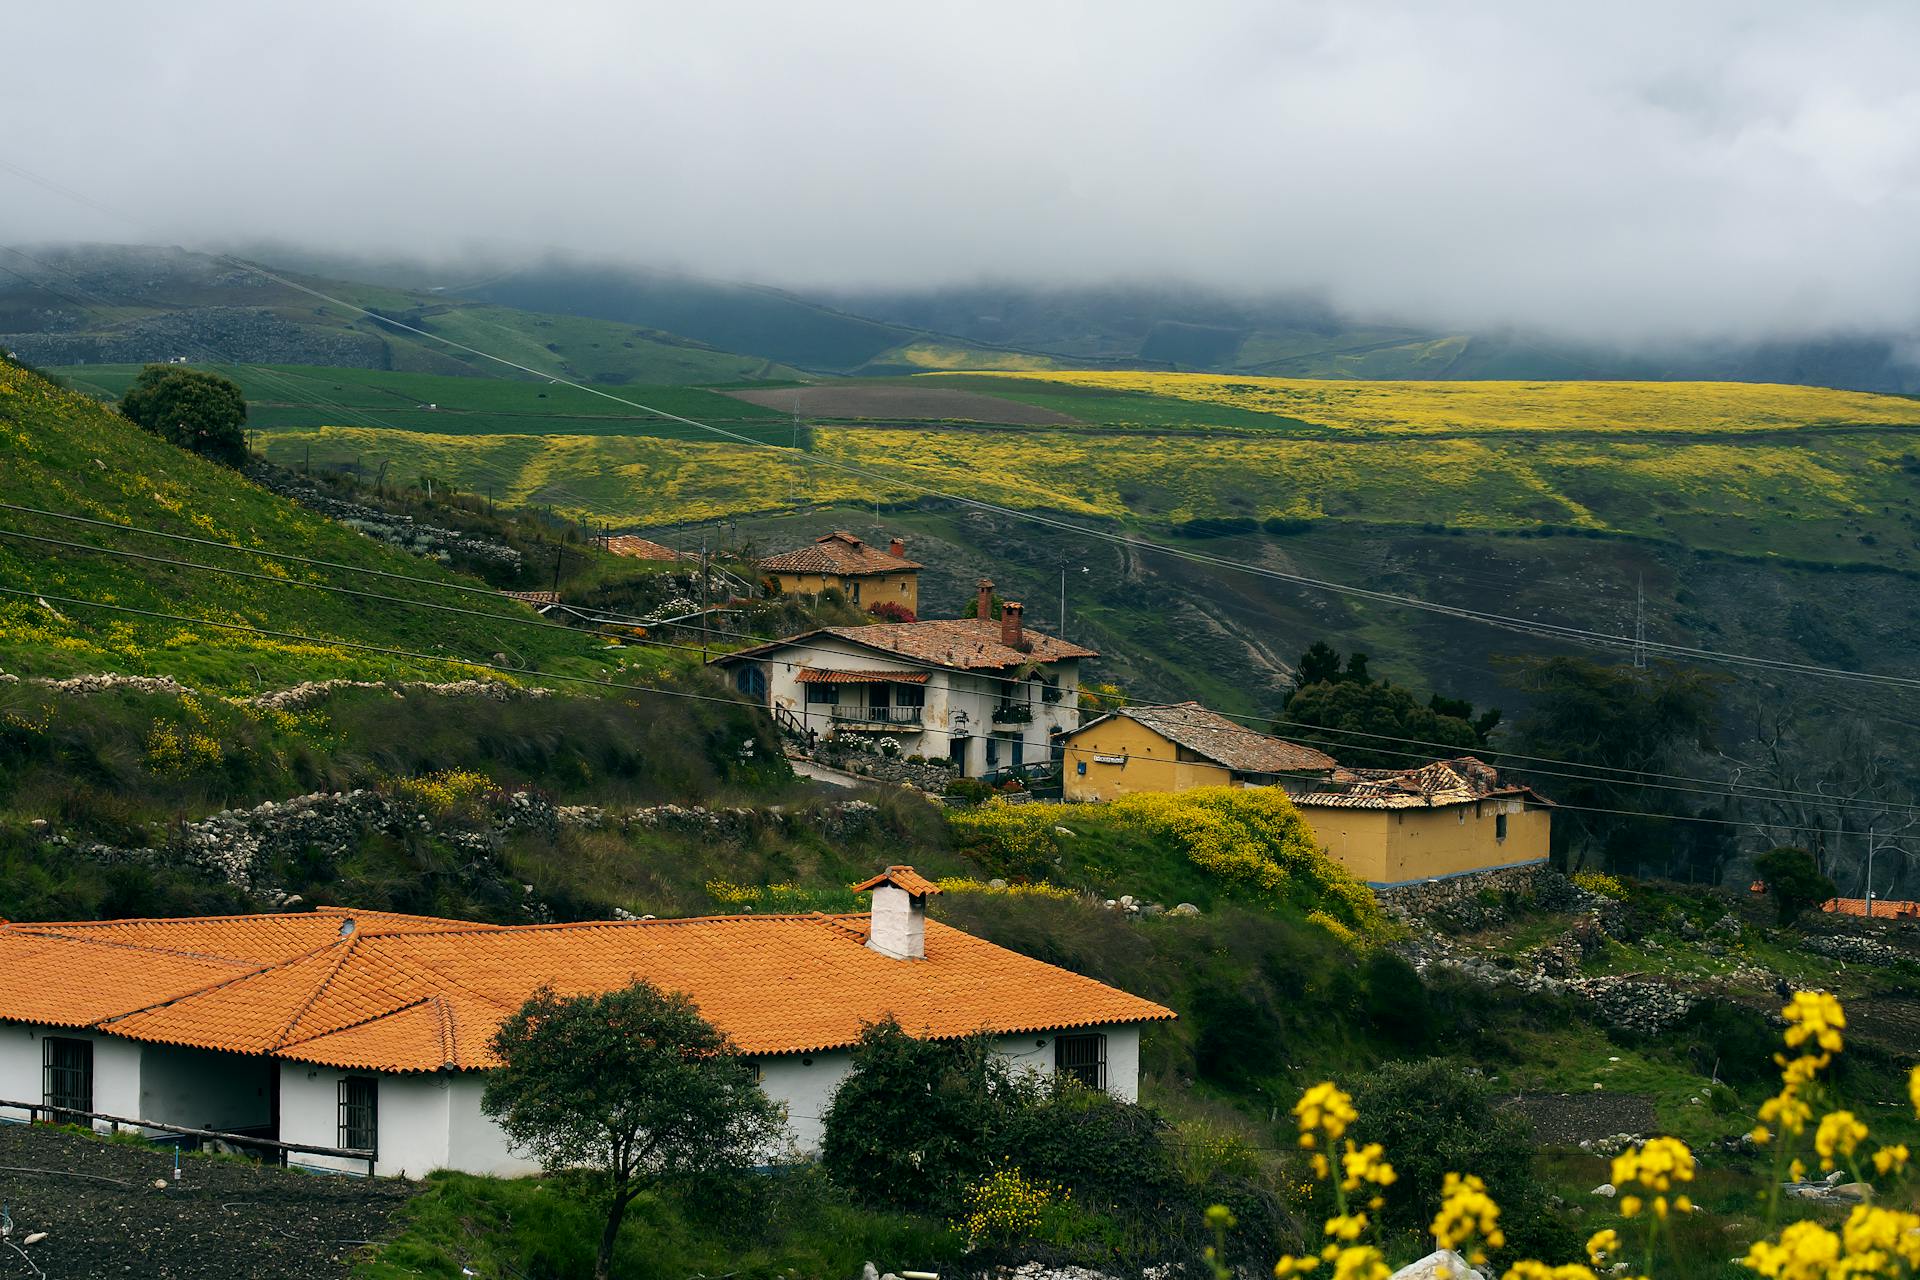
pixel 133 304
pixel 66 453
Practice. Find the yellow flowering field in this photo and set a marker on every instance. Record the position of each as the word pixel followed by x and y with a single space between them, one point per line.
pixel 1443 407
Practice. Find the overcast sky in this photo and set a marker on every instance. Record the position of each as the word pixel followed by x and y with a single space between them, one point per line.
pixel 1609 170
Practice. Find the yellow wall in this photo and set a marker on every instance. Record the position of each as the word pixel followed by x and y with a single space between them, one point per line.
pixel 901 588
pixel 1393 846
pixel 1152 763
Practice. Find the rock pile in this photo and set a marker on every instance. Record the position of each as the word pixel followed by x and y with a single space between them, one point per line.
pixel 1854 949
pixel 395 529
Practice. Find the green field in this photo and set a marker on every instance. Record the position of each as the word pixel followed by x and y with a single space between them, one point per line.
pixel 65 453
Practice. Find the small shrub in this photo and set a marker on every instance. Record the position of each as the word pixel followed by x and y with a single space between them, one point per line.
pixel 1007 1207
pixel 1601 883
pixel 966 790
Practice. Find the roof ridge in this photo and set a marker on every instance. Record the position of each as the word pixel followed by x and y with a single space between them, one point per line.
pixel 212 986
pixel 369 1020
pixel 417 967
pixel 351 941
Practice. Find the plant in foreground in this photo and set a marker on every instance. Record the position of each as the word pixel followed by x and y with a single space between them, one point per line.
pixel 1872 1242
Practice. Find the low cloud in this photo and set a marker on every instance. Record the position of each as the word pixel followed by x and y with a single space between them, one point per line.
pixel 1629 171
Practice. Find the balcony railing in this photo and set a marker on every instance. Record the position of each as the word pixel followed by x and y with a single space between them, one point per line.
pixel 1013 713
pixel 877 715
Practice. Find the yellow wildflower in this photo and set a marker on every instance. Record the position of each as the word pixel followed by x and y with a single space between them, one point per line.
pixel 1890 1159
pixel 1528 1269
pixel 1838 1135
pixel 1356 1262
pixel 1786 1110
pixel 1347 1226
pixel 1602 1245
pixel 1814 1016
pixel 1468 1216
pixel 1881 1234
pixel 1804 1251
pixel 1913 1089
pixel 1656 1164
pixel 1293 1267
pixel 1367 1165
pixel 1326 1108
pixel 1629 1206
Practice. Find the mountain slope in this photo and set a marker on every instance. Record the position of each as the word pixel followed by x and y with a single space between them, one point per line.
pixel 132 304
pixel 66 453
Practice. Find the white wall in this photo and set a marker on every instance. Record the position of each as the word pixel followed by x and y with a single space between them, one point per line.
pixel 116 1070
pixel 476 1143
pixel 414 1120
pixel 202 1089
pixel 805 1085
pixel 20 1062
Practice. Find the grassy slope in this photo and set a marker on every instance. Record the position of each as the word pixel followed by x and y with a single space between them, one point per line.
pixel 66 453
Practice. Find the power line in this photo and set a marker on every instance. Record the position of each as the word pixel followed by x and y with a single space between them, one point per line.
pixel 1727 790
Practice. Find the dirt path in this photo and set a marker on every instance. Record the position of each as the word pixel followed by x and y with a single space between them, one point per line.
pixel 223 1220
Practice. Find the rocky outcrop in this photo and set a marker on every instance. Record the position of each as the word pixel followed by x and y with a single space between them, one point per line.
pixel 395 529
pixel 1854 949
pixel 1468 903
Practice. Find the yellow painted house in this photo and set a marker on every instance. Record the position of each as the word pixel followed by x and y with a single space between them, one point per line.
pixel 1176 747
pixel 865 575
pixel 1448 818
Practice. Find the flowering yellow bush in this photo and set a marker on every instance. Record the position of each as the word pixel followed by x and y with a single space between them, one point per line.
pixel 1872 1242
pixel 445 791
pixel 1254 838
pixel 1006 1206
pixel 1019 836
pixel 1601 883
pixel 1036 889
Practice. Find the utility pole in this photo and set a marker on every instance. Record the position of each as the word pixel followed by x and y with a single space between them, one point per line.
pixel 1063 599
pixel 703 597
pixel 1869 871
pixel 559 555
pixel 1640 623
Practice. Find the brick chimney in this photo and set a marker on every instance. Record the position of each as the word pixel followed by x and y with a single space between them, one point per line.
pixel 897 927
pixel 985 611
pixel 1010 633
pixel 897 549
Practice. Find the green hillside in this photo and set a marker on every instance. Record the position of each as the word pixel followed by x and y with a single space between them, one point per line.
pixel 65 453
pixel 280 396
pixel 132 304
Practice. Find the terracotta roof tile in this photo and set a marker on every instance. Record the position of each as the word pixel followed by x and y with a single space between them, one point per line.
pixel 1431 786
pixel 901 878
pixel 1226 742
pixel 840 553
pixel 821 675
pixel 423 995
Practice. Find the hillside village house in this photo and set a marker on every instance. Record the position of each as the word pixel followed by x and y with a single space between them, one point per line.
pixel 865 575
pixel 1448 818
pixel 1177 747
pixel 982 692
pixel 369 1031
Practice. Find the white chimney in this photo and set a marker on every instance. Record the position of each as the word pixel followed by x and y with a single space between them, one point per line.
pixel 897 925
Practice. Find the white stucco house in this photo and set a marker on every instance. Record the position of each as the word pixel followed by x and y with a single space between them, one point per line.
pixel 983 692
pixel 370 1031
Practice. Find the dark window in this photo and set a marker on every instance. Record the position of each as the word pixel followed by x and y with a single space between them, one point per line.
pixel 826 695
pixel 752 681
pixel 359 1113
pixel 909 695
pixel 1082 1057
pixel 68 1077
pixel 1499 826
pixel 1081 768
pixel 856 593
pixel 993 752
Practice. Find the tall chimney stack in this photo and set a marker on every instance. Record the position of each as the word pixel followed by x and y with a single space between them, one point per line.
pixel 897 924
pixel 897 549
pixel 985 611
pixel 1010 633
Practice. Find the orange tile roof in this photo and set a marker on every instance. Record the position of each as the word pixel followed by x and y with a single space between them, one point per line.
pixel 900 877
pixel 965 644
pixel 401 993
pixel 823 675
pixel 1883 908
pixel 839 552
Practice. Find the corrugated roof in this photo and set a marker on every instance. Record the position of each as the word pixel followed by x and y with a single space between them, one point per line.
pixel 1431 786
pixel 838 552
pixel 1224 741
pixel 411 994
pixel 824 675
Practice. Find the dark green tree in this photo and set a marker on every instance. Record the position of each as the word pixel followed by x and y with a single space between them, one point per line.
pixel 1793 881
pixel 630 1087
pixel 1358 724
pixel 1618 726
pixel 191 408
pixel 914 1120
pixel 1320 664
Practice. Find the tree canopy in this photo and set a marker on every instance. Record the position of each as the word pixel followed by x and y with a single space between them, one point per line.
pixel 1338 706
pixel 190 408
pixel 1793 881
pixel 630 1086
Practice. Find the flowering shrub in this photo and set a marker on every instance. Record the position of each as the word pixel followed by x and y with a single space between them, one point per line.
pixel 1035 889
pixel 1007 1207
pixel 1652 1177
pixel 778 897
pixel 446 791
pixel 1016 838
pixel 1601 883
pixel 1253 838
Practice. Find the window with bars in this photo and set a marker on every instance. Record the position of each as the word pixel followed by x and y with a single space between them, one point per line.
pixel 1084 1057
pixel 360 1113
pixel 67 1075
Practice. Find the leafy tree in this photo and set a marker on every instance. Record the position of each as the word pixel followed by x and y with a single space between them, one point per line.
pixel 1433 1118
pixel 190 408
pixel 632 1086
pixel 1629 724
pixel 1333 693
pixel 913 1121
pixel 1793 881
pixel 1338 717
